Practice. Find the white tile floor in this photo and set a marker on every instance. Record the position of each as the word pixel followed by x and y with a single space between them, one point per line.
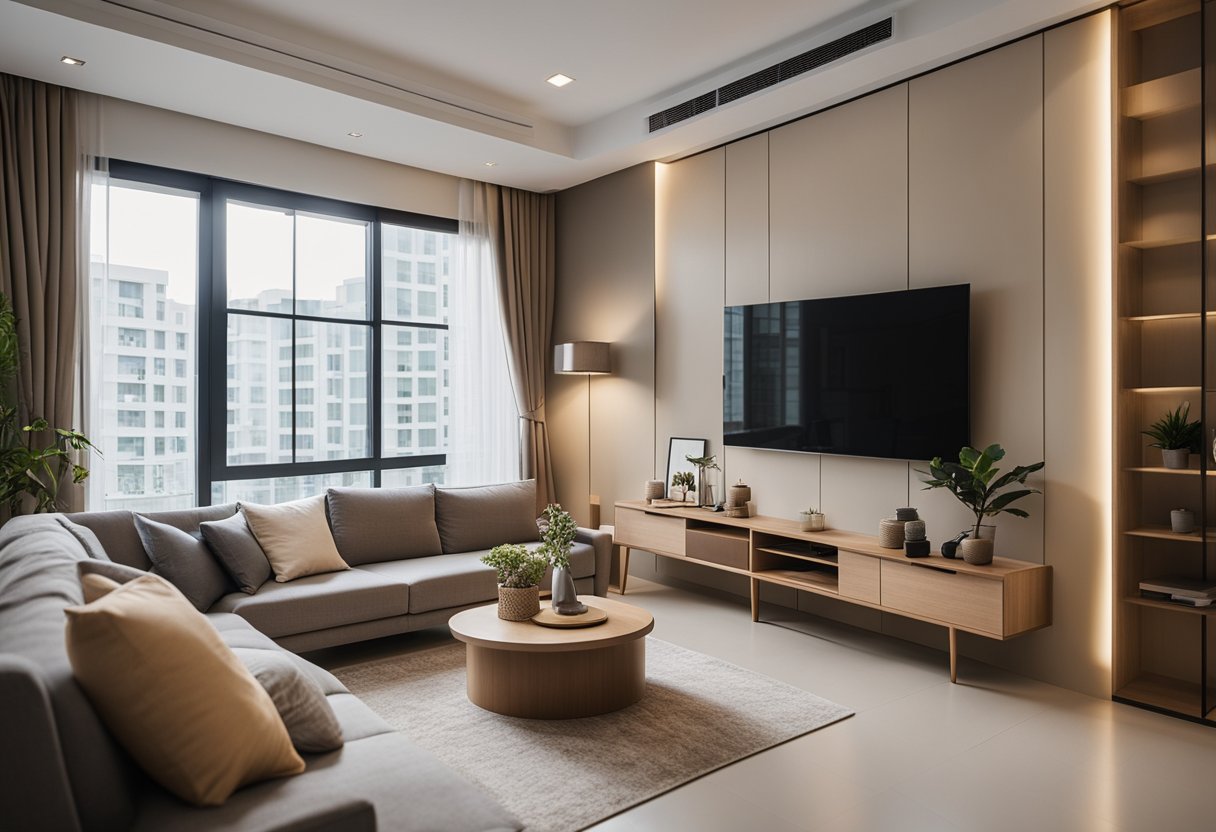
pixel 995 752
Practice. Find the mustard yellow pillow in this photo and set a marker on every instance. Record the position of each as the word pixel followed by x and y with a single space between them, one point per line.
pixel 295 537
pixel 173 694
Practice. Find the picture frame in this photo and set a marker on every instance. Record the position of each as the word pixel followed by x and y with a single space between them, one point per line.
pixel 678 449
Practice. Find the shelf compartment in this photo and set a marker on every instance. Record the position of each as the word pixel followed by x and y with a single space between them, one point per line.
pixel 1162 96
pixel 1164 533
pixel 1168 316
pixel 1192 472
pixel 824 580
pixel 1164 242
pixel 1167 175
pixel 1176 389
pixel 800 550
pixel 1158 604
pixel 1164 692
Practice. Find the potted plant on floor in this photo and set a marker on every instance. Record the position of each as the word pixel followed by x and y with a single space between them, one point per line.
pixel 974 481
pixel 1176 436
pixel 557 538
pixel 519 574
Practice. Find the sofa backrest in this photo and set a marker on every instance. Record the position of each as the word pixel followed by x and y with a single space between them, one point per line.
pixel 483 516
pixel 77 776
pixel 117 533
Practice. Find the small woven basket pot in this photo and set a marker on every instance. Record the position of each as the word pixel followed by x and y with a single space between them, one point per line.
pixel 891 533
pixel 518 604
pixel 914 530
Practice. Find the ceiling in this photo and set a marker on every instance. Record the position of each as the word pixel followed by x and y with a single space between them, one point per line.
pixel 452 86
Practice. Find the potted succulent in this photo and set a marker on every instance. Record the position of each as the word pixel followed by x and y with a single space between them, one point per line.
pixel 681 483
pixel 813 520
pixel 519 574
pixel 974 481
pixel 557 537
pixel 1176 436
pixel 705 490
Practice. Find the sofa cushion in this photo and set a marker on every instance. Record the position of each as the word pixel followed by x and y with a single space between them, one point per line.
pixel 237 550
pixel 180 702
pixel 114 571
pixel 301 704
pixel 295 537
pixel 185 561
pixel 239 633
pixel 86 537
pixel 484 516
pixel 120 540
pixel 318 602
pixel 442 581
pixel 378 524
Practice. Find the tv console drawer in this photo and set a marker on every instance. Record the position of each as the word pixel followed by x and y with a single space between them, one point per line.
pixel 725 547
pixel 942 595
pixel 652 532
pixel 859 576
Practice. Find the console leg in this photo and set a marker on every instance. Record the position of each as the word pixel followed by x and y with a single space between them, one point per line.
pixel 624 567
pixel 953 655
pixel 755 599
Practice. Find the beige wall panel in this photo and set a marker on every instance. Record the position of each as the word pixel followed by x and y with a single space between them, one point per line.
pixel 839 209
pixel 783 483
pixel 138 133
pixel 689 286
pixel 605 292
pixel 976 216
pixel 747 224
pixel 856 493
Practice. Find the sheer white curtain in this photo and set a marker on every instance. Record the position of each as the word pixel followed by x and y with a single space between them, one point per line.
pixel 484 429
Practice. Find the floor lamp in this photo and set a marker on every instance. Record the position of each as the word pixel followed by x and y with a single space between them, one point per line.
pixel 589 358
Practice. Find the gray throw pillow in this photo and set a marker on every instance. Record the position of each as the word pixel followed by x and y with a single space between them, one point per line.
pixel 310 721
pixel 86 537
pixel 116 572
pixel 482 517
pixel 184 561
pixel 238 551
pixel 372 525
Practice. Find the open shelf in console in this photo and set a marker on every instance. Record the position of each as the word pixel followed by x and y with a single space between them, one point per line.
pixel 796 563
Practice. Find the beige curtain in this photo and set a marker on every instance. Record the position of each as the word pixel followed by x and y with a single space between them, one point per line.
pixel 525 252
pixel 39 159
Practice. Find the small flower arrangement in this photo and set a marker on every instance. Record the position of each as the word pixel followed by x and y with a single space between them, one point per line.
pixel 518 568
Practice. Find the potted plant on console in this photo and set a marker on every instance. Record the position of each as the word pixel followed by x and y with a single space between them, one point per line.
pixel 557 536
pixel 974 481
pixel 682 480
pixel 1176 436
pixel 519 574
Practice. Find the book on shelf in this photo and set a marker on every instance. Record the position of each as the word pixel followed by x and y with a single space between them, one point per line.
pixel 1188 588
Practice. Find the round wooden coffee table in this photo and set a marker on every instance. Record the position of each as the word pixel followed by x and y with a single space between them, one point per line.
pixel 517 668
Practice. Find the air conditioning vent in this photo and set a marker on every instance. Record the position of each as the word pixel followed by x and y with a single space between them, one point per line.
pixel 775 74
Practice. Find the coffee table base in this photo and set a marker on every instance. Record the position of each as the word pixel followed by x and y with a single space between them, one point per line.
pixel 556 685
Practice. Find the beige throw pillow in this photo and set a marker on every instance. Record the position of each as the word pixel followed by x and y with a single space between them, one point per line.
pixel 173 693
pixel 295 537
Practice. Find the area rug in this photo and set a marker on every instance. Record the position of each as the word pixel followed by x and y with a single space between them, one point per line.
pixel 699 714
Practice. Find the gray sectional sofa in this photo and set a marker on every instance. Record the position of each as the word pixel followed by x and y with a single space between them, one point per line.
pixel 61 770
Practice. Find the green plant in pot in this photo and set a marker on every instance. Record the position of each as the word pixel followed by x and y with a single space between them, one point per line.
pixel 683 482
pixel 558 531
pixel 519 573
pixel 36 459
pixel 704 489
pixel 1176 435
pixel 975 482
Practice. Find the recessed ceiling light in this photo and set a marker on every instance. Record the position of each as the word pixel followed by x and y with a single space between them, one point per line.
pixel 354 134
pixel 489 164
pixel 559 80
pixel 70 61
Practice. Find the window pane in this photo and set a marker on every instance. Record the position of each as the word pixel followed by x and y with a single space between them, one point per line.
pixel 331 266
pixel 318 348
pixel 144 276
pixel 415 266
pixel 259 245
pixel 398 477
pixel 284 489
pixel 255 363
pixel 413 393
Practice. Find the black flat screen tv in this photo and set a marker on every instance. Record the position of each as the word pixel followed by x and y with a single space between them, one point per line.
pixel 883 375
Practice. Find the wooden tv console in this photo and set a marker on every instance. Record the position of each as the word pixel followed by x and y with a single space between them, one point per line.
pixel 998 601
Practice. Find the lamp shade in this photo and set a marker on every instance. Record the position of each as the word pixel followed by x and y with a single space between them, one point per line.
pixel 590 357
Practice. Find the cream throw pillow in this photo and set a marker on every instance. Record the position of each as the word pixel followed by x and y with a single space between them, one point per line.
pixel 173 693
pixel 295 537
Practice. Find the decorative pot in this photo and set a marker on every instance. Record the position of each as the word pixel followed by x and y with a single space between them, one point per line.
pixel 654 490
pixel 914 530
pixel 976 551
pixel 812 521
pixel 565 596
pixel 891 533
pixel 1176 458
pixel 518 603
pixel 1182 521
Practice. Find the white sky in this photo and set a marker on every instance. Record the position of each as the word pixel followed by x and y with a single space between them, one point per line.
pixel 158 229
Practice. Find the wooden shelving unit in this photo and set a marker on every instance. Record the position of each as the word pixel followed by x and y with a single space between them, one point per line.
pixel 1164 653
